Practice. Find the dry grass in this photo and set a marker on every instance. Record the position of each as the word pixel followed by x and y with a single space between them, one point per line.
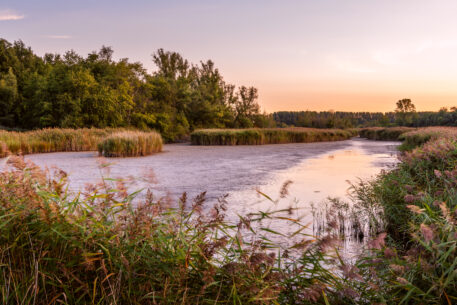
pixel 130 144
pixel 53 140
pixel 258 136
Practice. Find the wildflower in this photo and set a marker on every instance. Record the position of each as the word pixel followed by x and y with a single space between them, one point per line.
pixel 402 281
pixel 409 198
pixel 397 268
pixel 378 242
pixel 415 209
pixel 409 188
pixel 389 253
pixel 427 233
pixel 438 174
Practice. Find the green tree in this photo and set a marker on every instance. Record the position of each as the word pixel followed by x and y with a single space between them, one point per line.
pixel 405 112
pixel 8 96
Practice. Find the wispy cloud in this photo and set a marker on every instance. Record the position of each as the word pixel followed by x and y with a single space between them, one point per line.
pixel 58 36
pixel 6 15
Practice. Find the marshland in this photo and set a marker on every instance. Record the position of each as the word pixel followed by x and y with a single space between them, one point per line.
pixel 163 179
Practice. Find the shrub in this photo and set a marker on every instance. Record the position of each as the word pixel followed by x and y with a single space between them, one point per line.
pixel 130 144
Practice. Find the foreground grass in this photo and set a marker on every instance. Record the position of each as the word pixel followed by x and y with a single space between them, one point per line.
pixel 130 144
pixel 65 140
pixel 259 136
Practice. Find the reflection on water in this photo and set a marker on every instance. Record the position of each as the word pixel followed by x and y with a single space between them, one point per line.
pixel 317 171
pixel 314 181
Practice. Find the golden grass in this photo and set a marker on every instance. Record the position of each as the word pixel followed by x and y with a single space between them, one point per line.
pixel 130 144
pixel 260 136
pixel 53 140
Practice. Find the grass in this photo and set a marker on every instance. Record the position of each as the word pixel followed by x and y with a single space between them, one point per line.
pixel 416 138
pixel 258 136
pixel 130 144
pixel 53 140
pixel 384 133
pixel 65 140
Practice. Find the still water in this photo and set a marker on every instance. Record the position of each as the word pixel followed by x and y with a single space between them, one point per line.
pixel 316 171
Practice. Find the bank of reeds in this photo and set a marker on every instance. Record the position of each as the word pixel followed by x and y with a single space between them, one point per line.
pixel 84 139
pixel 130 144
pixel 259 136
pixel 384 133
pixel 416 138
pixel 53 140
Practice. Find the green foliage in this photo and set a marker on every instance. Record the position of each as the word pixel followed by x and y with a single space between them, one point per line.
pixel 70 91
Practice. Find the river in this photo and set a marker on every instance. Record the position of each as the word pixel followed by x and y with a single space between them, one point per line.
pixel 316 171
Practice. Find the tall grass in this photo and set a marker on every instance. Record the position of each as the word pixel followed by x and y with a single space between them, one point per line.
pixel 416 138
pixel 53 140
pixel 130 144
pixel 259 136
pixel 384 133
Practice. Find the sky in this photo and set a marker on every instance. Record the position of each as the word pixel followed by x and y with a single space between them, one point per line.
pixel 351 55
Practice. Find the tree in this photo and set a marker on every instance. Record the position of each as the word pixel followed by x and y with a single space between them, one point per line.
pixel 405 112
pixel 246 107
pixel 8 95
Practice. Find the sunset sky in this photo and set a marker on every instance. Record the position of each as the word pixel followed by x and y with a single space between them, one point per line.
pixel 353 55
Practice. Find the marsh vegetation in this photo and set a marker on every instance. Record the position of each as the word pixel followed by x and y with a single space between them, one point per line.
pixel 97 247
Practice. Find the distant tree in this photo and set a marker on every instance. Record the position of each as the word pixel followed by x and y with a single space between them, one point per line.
pixel 405 112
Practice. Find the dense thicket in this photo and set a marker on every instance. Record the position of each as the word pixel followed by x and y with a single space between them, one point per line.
pixel 330 119
pixel 72 91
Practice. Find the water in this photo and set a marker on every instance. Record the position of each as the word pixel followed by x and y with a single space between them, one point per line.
pixel 317 171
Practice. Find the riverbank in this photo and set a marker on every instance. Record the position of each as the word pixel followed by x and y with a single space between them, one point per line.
pixel 261 136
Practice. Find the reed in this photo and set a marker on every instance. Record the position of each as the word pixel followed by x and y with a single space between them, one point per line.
pixel 416 138
pixel 53 140
pixel 258 136
pixel 130 144
pixel 384 133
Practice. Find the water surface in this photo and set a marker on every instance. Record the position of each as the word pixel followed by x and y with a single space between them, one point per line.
pixel 317 171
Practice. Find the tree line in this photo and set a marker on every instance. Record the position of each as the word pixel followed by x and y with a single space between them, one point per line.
pixel 404 115
pixel 72 91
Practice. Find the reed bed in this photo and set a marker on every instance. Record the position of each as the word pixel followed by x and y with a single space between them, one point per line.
pixel 260 136
pixel 53 140
pixel 130 144
pixel 384 133
pixel 416 138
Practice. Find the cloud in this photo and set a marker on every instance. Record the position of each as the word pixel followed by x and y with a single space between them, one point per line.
pixel 58 36
pixel 6 15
